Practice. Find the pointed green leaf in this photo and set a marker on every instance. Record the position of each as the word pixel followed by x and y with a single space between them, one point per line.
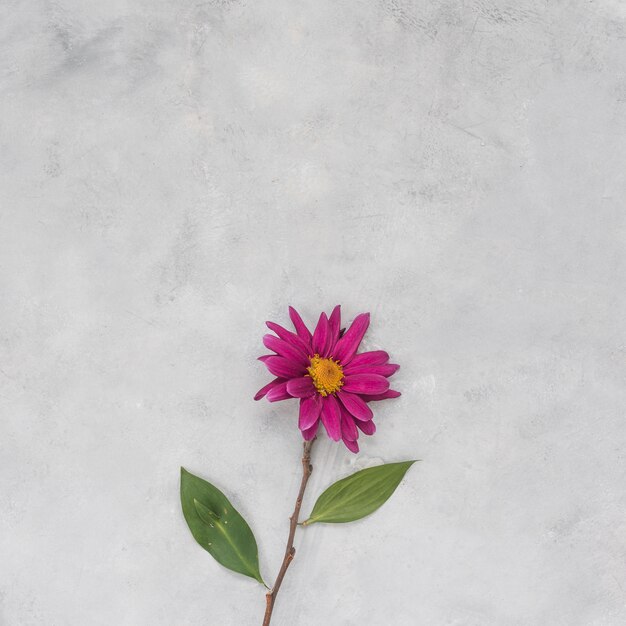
pixel 358 495
pixel 218 527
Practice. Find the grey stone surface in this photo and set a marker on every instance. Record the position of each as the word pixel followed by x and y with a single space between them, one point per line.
pixel 173 173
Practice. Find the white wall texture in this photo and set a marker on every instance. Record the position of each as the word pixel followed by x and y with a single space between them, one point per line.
pixel 175 172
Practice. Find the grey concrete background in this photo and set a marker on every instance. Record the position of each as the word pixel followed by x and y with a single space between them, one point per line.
pixel 173 173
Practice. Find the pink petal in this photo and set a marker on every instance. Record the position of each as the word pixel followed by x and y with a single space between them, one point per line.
pixel 331 417
pixel 289 337
pixel 285 349
pixel 320 336
pixel 309 433
pixel 334 322
pixel 356 406
pixel 303 332
pixel 382 370
pixel 375 357
pixel 348 428
pixel 265 357
pixel 369 384
pixel 309 412
pixel 284 368
pixel 263 391
pixel 369 428
pixel 353 446
pixel 301 387
pixel 348 345
pixel 390 393
pixel 279 393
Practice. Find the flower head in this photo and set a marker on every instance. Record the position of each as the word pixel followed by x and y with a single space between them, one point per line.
pixel 334 384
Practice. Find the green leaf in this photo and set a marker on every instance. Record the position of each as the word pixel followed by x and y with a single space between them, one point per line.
pixel 358 495
pixel 218 527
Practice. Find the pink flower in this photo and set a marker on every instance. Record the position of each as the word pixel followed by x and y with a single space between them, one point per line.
pixel 333 382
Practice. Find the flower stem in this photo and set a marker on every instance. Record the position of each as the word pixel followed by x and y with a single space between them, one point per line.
pixel 290 551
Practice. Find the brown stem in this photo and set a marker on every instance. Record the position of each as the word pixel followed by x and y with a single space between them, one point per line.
pixel 290 551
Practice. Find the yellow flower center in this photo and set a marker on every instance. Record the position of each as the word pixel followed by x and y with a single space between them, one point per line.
pixel 327 374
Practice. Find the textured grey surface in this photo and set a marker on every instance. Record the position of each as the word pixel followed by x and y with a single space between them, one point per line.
pixel 174 173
